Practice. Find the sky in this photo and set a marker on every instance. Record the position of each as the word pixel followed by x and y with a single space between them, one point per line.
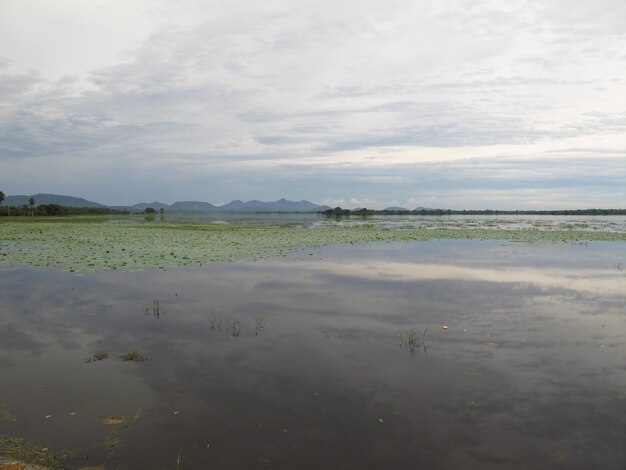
pixel 461 104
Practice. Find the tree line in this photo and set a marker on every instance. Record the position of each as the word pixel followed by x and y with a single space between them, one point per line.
pixel 53 209
pixel 56 209
pixel 339 212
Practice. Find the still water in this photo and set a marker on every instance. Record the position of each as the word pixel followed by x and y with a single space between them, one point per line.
pixel 301 364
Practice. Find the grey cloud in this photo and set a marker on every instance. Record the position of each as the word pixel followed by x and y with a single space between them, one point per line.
pixel 12 85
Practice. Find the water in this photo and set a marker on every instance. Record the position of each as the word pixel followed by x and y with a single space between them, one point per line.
pixel 503 222
pixel 529 374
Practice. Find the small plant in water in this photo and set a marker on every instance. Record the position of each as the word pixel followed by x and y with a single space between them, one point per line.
pixel 260 326
pixel 133 355
pixel 215 322
pixel 235 330
pixel 153 309
pixel 413 341
pixel 99 356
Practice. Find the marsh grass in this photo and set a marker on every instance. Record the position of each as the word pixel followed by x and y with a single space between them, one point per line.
pixel 236 329
pixel 99 356
pixel 153 309
pixel 259 326
pixel 413 342
pixel 215 320
pixel 133 355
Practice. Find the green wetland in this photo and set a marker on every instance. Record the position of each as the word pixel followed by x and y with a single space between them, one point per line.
pixel 293 341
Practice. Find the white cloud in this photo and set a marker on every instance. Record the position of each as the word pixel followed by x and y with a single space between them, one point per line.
pixel 348 99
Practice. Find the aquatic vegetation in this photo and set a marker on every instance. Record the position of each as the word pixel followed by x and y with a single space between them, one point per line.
pixel 259 326
pixel 153 309
pixel 235 330
pixel 79 246
pixel 99 356
pixel 133 355
pixel 413 342
pixel 215 321
pixel 14 449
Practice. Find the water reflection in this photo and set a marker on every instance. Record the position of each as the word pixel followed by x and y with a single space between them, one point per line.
pixel 529 373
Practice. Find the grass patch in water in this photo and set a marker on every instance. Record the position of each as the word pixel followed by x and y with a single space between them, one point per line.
pixel 99 356
pixel 133 355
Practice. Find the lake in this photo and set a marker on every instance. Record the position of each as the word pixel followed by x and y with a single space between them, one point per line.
pixel 439 354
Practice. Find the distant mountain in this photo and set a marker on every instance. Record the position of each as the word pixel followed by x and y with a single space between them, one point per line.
pixel 196 206
pixel 282 205
pixel 395 209
pixel 236 205
pixel 68 201
pixel 424 209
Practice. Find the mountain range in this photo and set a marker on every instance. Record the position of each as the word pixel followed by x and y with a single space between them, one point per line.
pixel 282 205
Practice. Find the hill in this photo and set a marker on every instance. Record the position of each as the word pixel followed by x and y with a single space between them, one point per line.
pixel 196 206
pixel 67 201
pixel 282 205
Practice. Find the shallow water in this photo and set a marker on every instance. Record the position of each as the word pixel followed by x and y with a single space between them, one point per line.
pixel 529 374
pixel 585 223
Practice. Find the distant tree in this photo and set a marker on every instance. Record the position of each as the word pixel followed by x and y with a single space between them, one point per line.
pixel 149 210
pixel 52 209
pixel 2 197
pixel 31 203
pixel 364 212
pixel 161 210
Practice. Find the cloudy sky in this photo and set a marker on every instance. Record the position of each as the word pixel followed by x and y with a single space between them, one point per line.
pixel 449 103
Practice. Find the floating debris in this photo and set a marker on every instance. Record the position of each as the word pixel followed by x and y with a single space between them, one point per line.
pixel 113 421
pixel 12 466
